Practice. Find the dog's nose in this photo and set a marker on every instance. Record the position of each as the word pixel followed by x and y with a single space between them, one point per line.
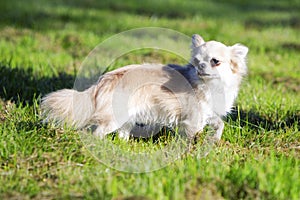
pixel 202 65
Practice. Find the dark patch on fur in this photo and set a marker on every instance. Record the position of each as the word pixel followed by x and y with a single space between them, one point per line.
pixel 181 78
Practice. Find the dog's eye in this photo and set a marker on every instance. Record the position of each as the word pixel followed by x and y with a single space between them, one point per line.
pixel 215 62
pixel 196 60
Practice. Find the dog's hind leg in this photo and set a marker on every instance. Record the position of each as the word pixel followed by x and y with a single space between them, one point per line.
pixel 101 132
pixel 124 134
pixel 104 129
pixel 125 131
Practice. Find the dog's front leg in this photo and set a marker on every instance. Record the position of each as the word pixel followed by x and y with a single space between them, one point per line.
pixel 187 130
pixel 218 125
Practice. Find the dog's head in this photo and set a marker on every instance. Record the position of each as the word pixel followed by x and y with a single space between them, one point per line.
pixel 215 60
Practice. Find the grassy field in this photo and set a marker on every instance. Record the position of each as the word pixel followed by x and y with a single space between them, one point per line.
pixel 43 43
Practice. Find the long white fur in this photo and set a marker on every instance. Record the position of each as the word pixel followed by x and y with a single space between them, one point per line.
pixel 157 95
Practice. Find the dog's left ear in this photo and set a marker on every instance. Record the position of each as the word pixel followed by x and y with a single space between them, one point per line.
pixel 240 51
pixel 197 40
pixel 238 59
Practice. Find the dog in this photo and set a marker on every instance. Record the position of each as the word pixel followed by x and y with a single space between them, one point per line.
pixel 137 100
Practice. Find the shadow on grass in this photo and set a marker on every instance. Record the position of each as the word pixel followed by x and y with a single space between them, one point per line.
pixel 258 23
pixel 256 121
pixel 30 15
pixel 22 86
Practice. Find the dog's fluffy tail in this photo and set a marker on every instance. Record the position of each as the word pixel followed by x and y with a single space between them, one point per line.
pixel 69 106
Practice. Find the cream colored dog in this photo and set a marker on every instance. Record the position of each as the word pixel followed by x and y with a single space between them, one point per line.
pixel 138 100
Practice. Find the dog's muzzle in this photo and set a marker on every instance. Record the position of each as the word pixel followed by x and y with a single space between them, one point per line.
pixel 200 70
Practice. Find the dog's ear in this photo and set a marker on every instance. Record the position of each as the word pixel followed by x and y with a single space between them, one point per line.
pixel 197 40
pixel 240 51
pixel 238 58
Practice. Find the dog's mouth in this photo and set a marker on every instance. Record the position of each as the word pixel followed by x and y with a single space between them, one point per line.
pixel 202 74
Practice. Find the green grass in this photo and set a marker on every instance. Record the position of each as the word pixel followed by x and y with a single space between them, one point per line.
pixel 43 43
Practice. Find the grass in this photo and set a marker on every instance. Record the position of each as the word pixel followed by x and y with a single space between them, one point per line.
pixel 42 45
